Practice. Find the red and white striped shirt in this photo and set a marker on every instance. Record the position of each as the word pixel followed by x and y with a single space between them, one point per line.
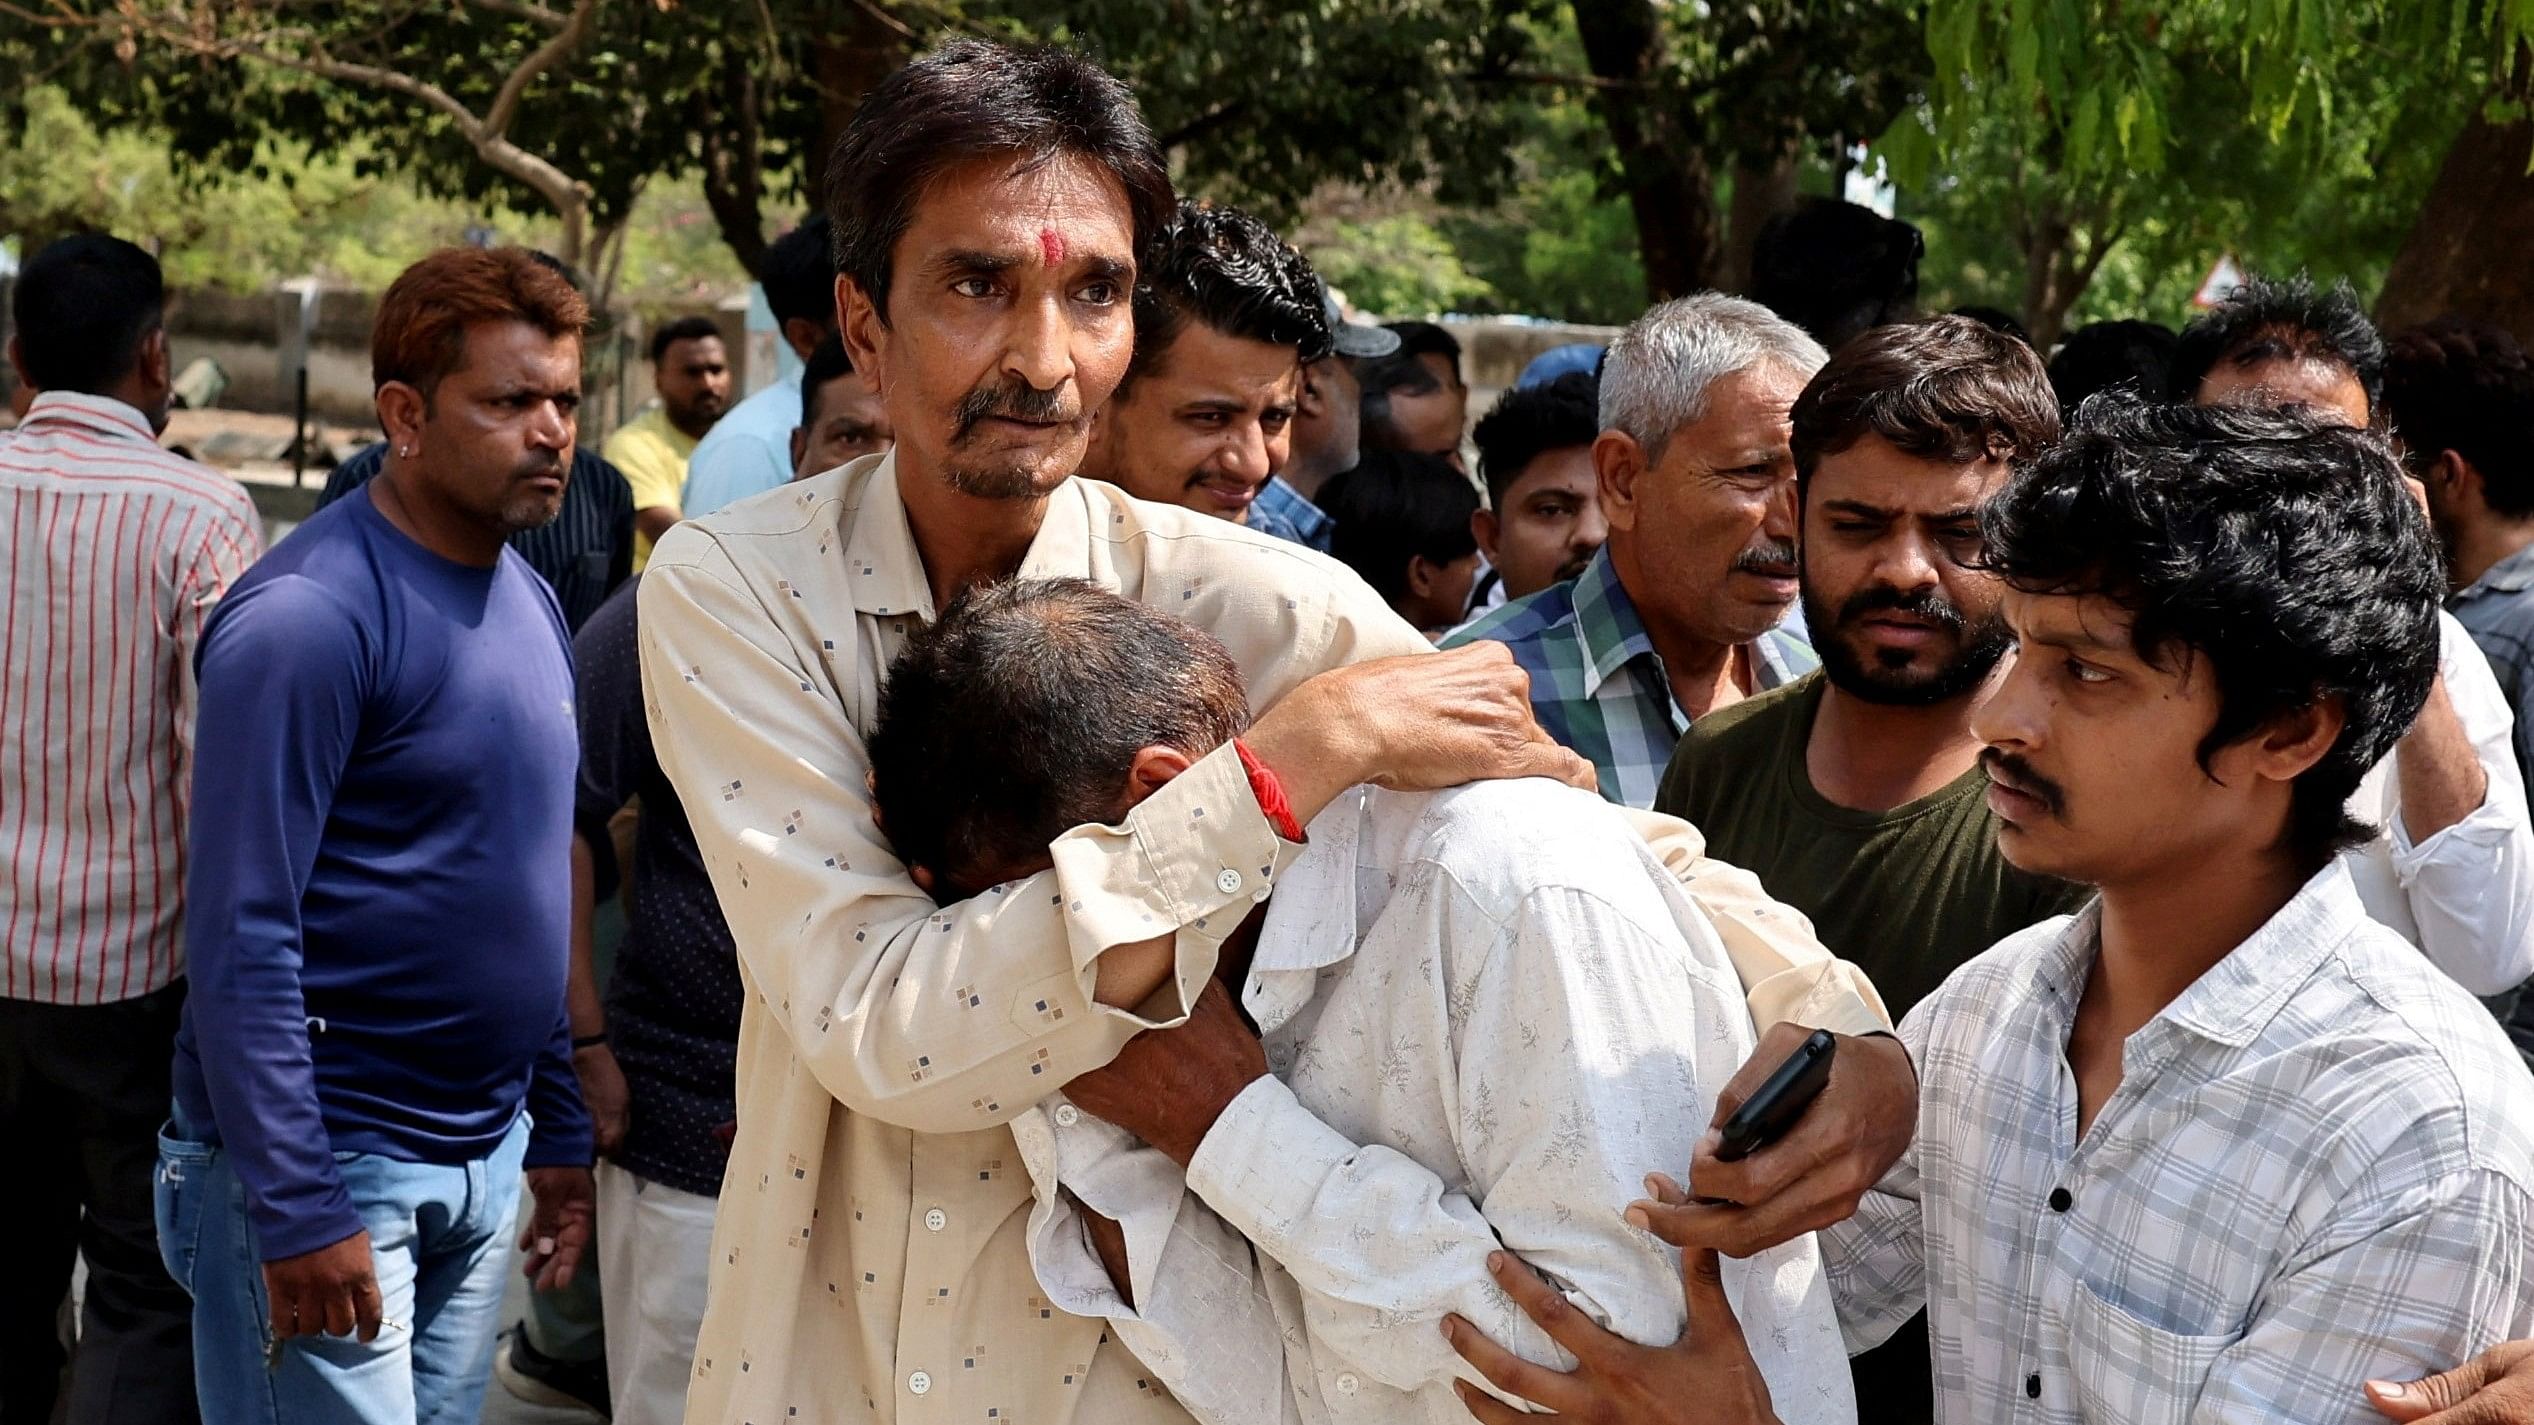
pixel 111 552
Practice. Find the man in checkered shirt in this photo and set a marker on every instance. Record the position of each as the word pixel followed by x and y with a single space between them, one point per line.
pixel 2219 1147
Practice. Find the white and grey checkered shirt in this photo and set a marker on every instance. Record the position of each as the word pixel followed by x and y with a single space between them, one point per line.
pixel 2317 1169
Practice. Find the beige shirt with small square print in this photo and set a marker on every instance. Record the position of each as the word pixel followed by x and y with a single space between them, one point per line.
pixel 870 1259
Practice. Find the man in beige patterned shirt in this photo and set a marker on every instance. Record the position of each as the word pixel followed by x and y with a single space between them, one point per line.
pixel 869 1260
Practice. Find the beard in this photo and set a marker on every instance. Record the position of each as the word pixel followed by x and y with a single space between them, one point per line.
pixel 1888 676
pixel 525 509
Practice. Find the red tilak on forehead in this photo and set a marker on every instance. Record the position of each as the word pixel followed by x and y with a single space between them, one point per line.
pixel 1051 246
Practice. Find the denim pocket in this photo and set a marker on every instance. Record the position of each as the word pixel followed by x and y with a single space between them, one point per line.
pixel 176 1198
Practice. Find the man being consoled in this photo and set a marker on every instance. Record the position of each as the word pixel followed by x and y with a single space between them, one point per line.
pixel 1483 1009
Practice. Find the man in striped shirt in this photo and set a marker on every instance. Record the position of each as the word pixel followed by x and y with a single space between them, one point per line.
pixel 112 550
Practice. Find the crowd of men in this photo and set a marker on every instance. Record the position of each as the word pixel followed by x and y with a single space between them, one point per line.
pixel 962 887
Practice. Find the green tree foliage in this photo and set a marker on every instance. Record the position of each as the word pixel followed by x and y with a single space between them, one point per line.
pixel 1260 101
pixel 298 214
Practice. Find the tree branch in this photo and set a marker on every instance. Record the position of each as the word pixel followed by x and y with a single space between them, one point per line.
pixel 568 196
pixel 554 51
pixel 524 10
pixel 1201 125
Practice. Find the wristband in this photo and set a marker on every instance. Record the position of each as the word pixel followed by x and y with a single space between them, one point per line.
pixel 1270 793
pixel 589 1041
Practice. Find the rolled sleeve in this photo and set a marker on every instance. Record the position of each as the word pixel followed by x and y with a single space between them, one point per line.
pixel 1787 974
pixel 2470 886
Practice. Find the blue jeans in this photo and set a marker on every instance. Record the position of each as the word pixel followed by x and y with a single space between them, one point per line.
pixel 439 1233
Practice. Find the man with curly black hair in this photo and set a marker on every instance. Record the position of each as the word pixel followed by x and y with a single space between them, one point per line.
pixel 1224 321
pixel 2284 342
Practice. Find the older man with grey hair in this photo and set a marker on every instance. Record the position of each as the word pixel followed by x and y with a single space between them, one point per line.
pixel 1679 613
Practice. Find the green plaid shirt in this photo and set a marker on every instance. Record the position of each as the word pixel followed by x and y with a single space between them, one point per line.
pixel 1597 684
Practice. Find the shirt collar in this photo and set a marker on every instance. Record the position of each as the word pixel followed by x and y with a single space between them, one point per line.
pixel 2239 995
pixel 2512 575
pixel 887 572
pixel 98 413
pixel 1311 919
pixel 1606 623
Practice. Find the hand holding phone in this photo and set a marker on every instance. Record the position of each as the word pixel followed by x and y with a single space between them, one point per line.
pixel 1765 1116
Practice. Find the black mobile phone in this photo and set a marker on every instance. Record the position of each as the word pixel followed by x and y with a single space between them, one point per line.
pixel 1765 1116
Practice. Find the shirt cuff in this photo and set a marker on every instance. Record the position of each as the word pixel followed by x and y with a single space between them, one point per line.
pixel 1193 858
pixel 1114 1175
pixel 1826 994
pixel 1263 1164
pixel 2485 826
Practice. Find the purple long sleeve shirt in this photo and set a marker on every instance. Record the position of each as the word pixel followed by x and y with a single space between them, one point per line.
pixel 378 898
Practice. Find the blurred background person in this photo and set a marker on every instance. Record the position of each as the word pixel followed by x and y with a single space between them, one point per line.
pixel 1403 522
pixel 1543 516
pixel 749 451
pixel 114 553
pixel 690 371
pixel 2131 356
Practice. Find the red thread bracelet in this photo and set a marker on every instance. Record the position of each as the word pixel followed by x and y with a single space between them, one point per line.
pixel 1270 792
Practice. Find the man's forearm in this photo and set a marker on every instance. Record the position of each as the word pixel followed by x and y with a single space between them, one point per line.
pixel 2442 779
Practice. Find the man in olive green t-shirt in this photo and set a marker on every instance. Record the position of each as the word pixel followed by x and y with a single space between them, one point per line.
pixel 1856 794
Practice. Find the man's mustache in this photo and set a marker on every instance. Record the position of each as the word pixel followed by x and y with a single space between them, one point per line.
pixel 2018 775
pixel 1013 399
pixel 1765 559
pixel 1923 603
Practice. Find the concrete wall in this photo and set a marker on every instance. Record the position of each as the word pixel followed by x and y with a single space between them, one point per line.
pixel 242 332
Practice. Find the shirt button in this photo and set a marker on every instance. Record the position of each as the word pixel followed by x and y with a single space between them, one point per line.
pixel 2032 1385
pixel 1260 894
pixel 1279 1056
pixel 1229 883
pixel 919 1382
pixel 1347 1384
pixel 1067 1115
pixel 2060 1201
pixel 936 1220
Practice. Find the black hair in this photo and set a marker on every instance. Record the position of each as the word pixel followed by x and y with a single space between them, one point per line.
pixel 798 273
pixel 1428 339
pixel 1016 716
pixel 82 307
pixel 2466 386
pixel 2131 356
pixel 2287 319
pixel 1835 268
pixel 1530 421
pixel 973 98
pixel 1226 270
pixel 2285 552
pixel 824 365
pixel 1946 388
pixel 683 329
pixel 1393 506
pixel 1996 319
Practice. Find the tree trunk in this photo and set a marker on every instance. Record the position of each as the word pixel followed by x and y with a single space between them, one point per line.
pixel 2467 251
pixel 2046 239
pixel 734 159
pixel 847 62
pixel 1662 159
pixel 1760 192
